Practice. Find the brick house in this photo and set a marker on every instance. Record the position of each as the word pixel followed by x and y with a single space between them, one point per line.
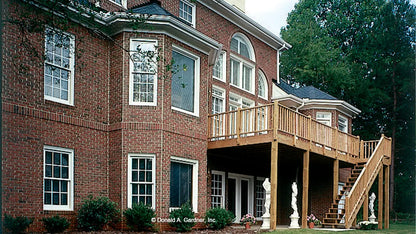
pixel 90 115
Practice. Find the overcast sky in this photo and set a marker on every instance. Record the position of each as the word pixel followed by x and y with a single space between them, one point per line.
pixel 272 14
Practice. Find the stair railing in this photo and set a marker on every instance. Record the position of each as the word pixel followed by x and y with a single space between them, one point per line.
pixel 355 197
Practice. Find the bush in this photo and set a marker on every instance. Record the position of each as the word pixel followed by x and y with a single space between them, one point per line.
pixel 139 217
pixel 217 218
pixel 95 213
pixel 183 219
pixel 18 224
pixel 366 225
pixel 55 224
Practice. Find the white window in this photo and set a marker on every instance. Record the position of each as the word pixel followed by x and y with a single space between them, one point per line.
pixel 236 102
pixel 262 86
pixel 218 96
pixel 58 178
pixel 260 198
pixel 143 68
pixel 219 67
pixel 185 82
pixel 324 117
pixel 122 3
pixel 59 66
pixel 242 74
pixel 342 123
pixel 187 12
pixel 241 45
pixel 183 183
pixel 141 179
pixel 217 189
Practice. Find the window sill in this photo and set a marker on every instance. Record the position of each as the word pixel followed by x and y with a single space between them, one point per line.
pixel 185 112
pixel 238 87
pixel 216 78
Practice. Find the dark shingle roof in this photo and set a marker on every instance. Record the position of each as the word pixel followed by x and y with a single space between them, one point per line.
pixel 305 91
pixel 154 8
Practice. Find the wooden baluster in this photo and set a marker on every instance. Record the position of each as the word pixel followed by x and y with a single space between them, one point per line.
pixel 238 125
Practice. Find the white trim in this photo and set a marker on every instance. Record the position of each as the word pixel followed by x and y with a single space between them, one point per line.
pixel 71 68
pixel 70 152
pixel 214 172
pixel 195 170
pixel 243 62
pixel 324 119
pixel 250 197
pixel 241 38
pixel 123 3
pixel 193 6
pixel 262 77
pixel 224 67
pixel 129 179
pixel 131 66
pixel 197 87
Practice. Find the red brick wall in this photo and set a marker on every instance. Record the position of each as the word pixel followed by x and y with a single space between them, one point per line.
pixel 334 116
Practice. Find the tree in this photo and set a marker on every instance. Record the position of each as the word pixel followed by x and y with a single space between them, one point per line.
pixel 364 53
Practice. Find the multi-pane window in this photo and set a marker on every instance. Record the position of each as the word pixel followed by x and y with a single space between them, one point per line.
pixel 183 182
pixel 141 180
pixel 260 198
pixel 241 45
pixel 185 82
pixel 219 67
pixel 58 178
pixel 59 66
pixel 143 67
pixel 262 86
pixel 242 74
pixel 342 123
pixel 218 96
pixel 324 117
pixel 187 11
pixel 217 189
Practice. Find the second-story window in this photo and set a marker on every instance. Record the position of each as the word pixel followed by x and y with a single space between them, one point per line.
pixel 59 66
pixel 263 92
pixel 187 12
pixel 242 67
pixel 122 3
pixel 218 72
pixel 143 67
pixel 324 117
pixel 218 96
pixel 342 123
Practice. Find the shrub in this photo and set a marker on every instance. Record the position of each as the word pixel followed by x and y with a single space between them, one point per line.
pixel 217 218
pixel 366 225
pixel 95 213
pixel 55 224
pixel 18 224
pixel 183 219
pixel 139 217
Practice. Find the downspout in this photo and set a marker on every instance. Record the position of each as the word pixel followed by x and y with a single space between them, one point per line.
pixel 303 103
pixel 278 62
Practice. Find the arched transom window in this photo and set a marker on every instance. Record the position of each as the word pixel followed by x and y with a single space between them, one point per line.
pixel 242 67
pixel 262 86
pixel 241 45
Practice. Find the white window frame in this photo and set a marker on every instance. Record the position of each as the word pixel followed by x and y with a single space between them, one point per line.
pixel 70 152
pixel 215 95
pixel 191 5
pixel 222 65
pixel 71 69
pixel 195 169
pixel 238 178
pixel 241 38
pixel 324 119
pixel 129 177
pixel 241 63
pixel 262 78
pixel 196 59
pixel 241 103
pixel 123 3
pixel 261 180
pixel 222 196
pixel 342 120
pixel 134 42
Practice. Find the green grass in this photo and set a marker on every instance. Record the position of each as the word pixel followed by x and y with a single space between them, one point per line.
pixel 394 228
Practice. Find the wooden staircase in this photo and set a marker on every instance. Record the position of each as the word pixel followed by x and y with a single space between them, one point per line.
pixel 334 218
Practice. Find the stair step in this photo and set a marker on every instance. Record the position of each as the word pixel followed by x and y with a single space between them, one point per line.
pixel 333 225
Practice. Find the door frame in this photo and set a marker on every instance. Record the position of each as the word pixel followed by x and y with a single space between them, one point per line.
pixel 250 198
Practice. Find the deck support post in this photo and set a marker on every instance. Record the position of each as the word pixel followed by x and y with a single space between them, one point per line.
pixel 365 207
pixel 380 199
pixel 305 185
pixel 335 181
pixel 386 197
pixel 273 182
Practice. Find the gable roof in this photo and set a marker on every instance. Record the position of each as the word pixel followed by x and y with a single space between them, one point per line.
pixel 154 8
pixel 309 92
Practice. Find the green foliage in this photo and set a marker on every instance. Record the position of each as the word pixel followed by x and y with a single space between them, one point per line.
pixel 97 212
pixel 55 224
pixel 139 217
pixel 183 219
pixel 18 224
pixel 402 218
pixel 217 218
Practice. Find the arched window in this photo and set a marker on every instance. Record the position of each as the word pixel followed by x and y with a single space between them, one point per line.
pixel 263 91
pixel 242 70
pixel 241 45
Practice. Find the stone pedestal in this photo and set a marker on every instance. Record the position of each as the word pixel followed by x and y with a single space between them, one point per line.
pixel 266 223
pixel 266 216
pixel 372 218
pixel 294 221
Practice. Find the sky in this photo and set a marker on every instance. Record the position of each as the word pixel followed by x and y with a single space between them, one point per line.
pixel 272 14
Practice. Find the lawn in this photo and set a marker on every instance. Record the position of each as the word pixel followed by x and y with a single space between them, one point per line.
pixel 394 228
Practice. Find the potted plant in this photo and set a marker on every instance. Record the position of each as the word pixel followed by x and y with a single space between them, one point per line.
pixel 248 219
pixel 312 221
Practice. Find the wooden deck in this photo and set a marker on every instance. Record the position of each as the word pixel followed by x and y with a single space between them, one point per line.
pixel 275 122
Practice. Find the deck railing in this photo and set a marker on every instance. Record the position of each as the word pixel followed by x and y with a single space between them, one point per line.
pixel 354 199
pixel 275 119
